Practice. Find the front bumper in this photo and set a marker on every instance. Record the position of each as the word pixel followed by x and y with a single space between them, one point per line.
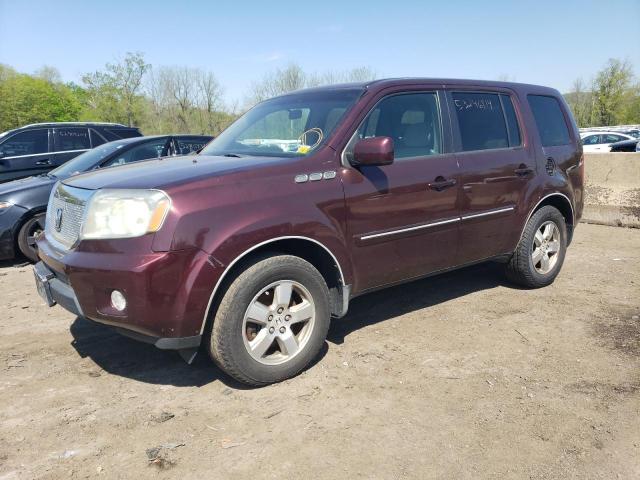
pixel 167 292
pixel 54 291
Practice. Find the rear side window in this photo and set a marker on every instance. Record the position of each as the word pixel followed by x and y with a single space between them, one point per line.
pixel 96 139
pixel 186 145
pixel 481 121
pixel 72 139
pixel 549 120
pixel 30 142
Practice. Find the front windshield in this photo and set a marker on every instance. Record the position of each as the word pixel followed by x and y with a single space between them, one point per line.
pixel 87 160
pixel 292 126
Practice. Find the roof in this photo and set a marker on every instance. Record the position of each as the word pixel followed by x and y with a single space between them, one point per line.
pixel 391 82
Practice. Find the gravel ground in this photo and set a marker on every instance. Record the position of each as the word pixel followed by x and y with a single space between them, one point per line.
pixel 460 376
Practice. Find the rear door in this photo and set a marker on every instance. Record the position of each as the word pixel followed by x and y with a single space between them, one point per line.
pixel 496 165
pixel 403 218
pixel 24 154
pixel 69 142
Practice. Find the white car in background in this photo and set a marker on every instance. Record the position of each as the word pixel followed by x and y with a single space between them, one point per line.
pixel 600 142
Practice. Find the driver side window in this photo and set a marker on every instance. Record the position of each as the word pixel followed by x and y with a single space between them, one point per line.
pixel 411 120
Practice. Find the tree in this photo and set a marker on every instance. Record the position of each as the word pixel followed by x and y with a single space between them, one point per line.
pixel 115 92
pixel 49 74
pixel 25 99
pixel 580 101
pixel 186 100
pixel 609 89
pixel 293 77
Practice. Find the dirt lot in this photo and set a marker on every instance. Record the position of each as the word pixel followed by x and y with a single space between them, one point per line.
pixel 459 376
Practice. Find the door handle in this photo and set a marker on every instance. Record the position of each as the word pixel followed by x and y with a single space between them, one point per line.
pixel 440 183
pixel 523 170
pixel 43 162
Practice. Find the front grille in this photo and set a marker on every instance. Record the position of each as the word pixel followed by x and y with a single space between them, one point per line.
pixel 65 214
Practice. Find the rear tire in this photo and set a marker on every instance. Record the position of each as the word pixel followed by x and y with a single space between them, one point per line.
pixel 28 234
pixel 538 258
pixel 271 322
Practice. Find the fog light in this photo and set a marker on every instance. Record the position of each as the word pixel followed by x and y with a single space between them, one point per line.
pixel 118 301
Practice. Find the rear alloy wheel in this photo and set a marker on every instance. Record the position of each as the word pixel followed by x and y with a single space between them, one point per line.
pixel 545 248
pixel 28 235
pixel 271 322
pixel 540 253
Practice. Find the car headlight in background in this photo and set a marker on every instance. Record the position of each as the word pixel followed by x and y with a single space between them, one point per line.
pixel 125 213
pixel 4 206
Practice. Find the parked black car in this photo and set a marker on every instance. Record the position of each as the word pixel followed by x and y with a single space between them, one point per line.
pixel 23 202
pixel 41 147
pixel 625 146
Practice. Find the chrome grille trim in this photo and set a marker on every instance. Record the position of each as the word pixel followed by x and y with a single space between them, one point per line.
pixel 71 202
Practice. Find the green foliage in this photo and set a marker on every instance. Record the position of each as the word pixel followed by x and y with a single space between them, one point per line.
pixel 613 99
pixel 162 100
pixel 25 99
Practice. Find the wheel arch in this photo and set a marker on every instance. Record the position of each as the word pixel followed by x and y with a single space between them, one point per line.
pixel 28 215
pixel 311 250
pixel 563 204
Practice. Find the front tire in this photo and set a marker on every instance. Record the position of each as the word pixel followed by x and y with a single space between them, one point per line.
pixel 271 322
pixel 541 251
pixel 28 234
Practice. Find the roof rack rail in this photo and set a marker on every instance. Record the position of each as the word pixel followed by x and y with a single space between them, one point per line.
pixel 76 123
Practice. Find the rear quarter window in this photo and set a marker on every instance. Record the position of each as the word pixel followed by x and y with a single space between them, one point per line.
pixel 550 120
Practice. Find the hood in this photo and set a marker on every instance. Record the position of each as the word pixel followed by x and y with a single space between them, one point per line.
pixel 22 185
pixel 165 173
pixel 30 192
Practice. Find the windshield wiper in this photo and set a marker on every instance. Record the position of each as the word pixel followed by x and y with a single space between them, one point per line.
pixel 234 155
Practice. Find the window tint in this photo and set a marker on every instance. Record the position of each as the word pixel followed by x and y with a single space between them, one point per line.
pixel 609 138
pixel 146 151
pixel 591 140
pixel 550 120
pixel 186 145
pixel 96 139
pixel 26 143
pixel 515 139
pixel 481 121
pixel 411 120
pixel 72 139
pixel 117 133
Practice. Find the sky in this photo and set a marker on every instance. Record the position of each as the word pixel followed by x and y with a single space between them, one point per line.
pixel 545 42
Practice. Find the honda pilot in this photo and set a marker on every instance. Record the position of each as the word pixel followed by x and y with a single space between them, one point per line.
pixel 307 201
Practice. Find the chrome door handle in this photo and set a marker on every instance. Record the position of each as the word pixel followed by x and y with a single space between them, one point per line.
pixel 523 171
pixel 440 183
pixel 43 162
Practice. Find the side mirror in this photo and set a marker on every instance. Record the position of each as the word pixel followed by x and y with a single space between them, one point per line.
pixel 1 154
pixel 373 151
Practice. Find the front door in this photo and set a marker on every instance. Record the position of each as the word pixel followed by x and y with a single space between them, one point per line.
pixel 495 170
pixel 24 154
pixel 403 218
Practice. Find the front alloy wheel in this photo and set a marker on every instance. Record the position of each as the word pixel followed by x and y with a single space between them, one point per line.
pixel 272 320
pixel 278 323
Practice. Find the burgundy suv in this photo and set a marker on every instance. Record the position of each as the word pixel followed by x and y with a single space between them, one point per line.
pixel 307 201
